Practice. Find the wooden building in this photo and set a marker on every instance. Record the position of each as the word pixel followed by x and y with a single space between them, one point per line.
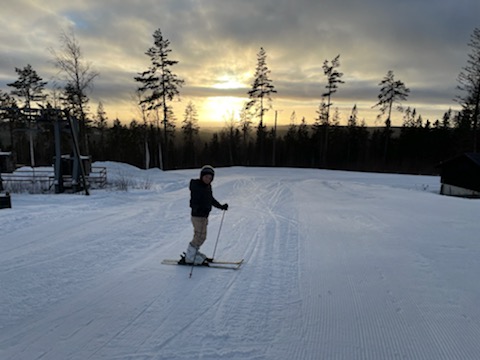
pixel 460 176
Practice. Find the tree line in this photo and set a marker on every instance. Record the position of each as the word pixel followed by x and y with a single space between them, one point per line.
pixel 155 141
pixel 416 147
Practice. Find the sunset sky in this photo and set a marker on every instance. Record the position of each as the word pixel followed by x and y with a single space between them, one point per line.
pixel 216 43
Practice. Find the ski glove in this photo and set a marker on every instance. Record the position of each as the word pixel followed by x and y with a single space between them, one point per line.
pixel 224 207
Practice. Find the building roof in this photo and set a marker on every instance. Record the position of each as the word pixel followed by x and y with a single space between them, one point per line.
pixel 474 157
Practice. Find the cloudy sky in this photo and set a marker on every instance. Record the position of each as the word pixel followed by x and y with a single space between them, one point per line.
pixel 216 43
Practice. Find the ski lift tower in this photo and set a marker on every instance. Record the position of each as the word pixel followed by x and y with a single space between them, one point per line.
pixel 70 170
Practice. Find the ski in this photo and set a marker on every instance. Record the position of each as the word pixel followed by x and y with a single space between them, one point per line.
pixel 221 262
pixel 229 265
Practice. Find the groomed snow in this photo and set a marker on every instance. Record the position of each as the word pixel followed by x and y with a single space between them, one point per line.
pixel 338 265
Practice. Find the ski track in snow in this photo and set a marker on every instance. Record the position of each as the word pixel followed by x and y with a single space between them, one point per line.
pixel 337 265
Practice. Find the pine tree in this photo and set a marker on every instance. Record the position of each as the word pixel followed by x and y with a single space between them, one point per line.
pixel 231 138
pixel 352 128
pixel 260 145
pixel 290 139
pixel 391 92
pixel 320 132
pixel 333 80
pixel 262 88
pixel 9 111
pixel 357 138
pixel 190 130
pixel 469 80
pixel 29 87
pixel 303 140
pixel 245 125
pixel 158 84
pixel 101 124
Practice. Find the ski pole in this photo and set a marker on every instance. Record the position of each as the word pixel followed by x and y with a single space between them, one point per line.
pixel 193 263
pixel 218 236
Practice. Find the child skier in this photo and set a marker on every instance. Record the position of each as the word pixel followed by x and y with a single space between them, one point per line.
pixel 201 202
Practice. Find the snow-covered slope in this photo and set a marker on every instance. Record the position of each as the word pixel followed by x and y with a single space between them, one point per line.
pixel 338 265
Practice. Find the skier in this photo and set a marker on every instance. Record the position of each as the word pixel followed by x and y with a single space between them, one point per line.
pixel 201 202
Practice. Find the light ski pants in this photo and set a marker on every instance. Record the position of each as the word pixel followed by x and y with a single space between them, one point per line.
pixel 199 231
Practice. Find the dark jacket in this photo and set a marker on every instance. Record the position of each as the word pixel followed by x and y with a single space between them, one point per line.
pixel 201 198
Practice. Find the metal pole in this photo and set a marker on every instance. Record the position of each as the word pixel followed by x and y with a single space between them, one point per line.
pixel 76 149
pixel 274 139
pixel 58 156
pixel 218 236
pixel 193 263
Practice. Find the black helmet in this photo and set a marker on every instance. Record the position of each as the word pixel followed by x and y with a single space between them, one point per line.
pixel 207 170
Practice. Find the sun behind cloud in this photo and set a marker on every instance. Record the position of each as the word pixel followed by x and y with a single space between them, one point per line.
pixel 221 108
pixel 228 82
